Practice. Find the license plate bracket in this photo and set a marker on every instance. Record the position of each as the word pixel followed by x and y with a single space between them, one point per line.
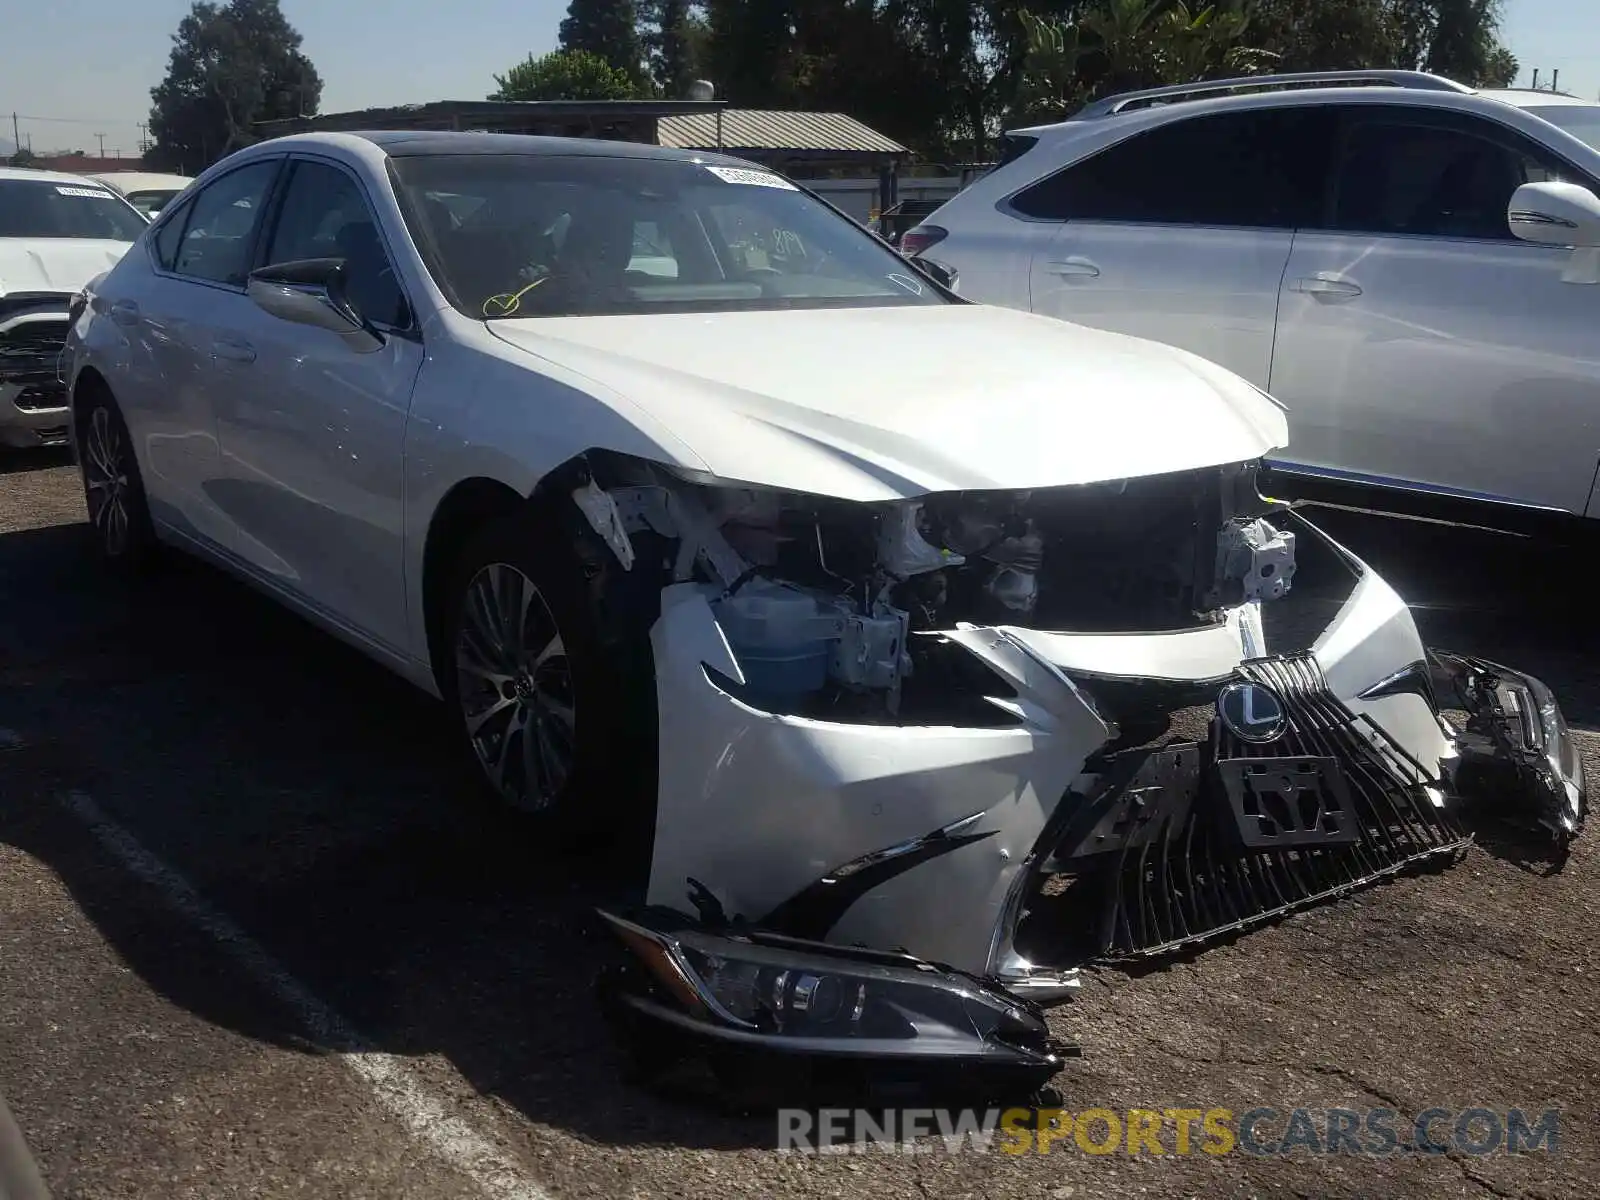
pixel 1279 802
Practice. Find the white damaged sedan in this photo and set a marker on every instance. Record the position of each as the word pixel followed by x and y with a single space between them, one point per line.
pixel 934 648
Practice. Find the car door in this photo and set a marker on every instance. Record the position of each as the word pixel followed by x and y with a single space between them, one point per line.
pixel 1421 344
pixel 1180 233
pixel 199 255
pixel 311 429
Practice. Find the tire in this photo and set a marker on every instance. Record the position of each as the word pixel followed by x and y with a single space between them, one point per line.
pixel 113 489
pixel 547 715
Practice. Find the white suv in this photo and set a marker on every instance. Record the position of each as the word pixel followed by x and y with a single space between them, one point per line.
pixel 1410 266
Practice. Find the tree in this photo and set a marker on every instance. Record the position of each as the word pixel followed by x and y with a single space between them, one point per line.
pixel 675 40
pixel 231 66
pixel 607 28
pixel 565 75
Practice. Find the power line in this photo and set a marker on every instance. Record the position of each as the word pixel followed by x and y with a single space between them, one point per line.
pixel 79 120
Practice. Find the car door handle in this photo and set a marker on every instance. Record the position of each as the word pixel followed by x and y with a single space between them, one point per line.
pixel 125 312
pixel 1080 268
pixel 1335 287
pixel 233 351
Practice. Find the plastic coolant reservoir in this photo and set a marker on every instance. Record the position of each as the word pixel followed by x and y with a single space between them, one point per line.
pixel 781 637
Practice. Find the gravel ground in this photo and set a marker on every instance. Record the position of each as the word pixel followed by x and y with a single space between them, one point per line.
pixel 310 802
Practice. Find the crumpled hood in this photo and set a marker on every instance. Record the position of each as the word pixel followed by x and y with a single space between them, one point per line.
pixel 54 264
pixel 885 403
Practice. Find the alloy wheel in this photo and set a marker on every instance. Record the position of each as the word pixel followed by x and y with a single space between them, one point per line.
pixel 514 681
pixel 107 481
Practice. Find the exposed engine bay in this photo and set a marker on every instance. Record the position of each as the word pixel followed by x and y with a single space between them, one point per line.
pixel 834 609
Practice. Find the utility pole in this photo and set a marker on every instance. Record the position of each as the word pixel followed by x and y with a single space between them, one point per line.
pixel 1536 79
pixel 1554 75
pixel 102 138
pixel 16 137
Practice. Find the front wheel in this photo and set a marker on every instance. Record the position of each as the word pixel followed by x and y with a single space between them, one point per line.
pixel 113 490
pixel 542 707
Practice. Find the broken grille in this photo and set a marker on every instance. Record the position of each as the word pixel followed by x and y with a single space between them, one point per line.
pixel 1161 863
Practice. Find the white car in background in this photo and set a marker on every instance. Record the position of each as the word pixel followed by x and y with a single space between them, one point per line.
pixel 871 611
pixel 1411 267
pixel 57 232
pixel 148 191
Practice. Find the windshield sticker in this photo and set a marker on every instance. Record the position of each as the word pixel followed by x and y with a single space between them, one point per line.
pixel 92 193
pixel 752 178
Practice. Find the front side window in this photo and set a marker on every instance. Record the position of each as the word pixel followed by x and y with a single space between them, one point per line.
pixel 325 215
pixel 1263 168
pixel 1401 174
pixel 220 231
pixel 523 235
pixel 47 208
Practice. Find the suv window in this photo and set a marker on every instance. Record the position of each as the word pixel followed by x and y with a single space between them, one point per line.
pixel 325 215
pixel 1401 173
pixel 1261 168
pixel 222 223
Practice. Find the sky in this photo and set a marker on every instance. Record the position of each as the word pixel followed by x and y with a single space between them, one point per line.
pixel 72 69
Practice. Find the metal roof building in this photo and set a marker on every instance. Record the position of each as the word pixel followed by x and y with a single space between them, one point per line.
pixel 619 120
pixel 755 132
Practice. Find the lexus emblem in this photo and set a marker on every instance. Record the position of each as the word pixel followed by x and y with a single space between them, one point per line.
pixel 1251 712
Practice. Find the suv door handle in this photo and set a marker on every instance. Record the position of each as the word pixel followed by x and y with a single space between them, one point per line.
pixel 1073 267
pixel 233 351
pixel 1326 283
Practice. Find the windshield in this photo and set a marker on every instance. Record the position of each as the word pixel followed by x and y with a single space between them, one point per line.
pixel 46 208
pixel 522 235
pixel 1582 121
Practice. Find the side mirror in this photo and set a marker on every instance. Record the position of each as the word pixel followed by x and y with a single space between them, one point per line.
pixel 943 274
pixel 312 292
pixel 1555 214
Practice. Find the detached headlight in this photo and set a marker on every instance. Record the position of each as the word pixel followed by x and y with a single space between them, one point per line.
pixel 756 992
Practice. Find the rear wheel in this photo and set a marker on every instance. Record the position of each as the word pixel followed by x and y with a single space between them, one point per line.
pixel 113 490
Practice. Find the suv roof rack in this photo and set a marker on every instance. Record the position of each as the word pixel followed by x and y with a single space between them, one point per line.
pixel 1175 93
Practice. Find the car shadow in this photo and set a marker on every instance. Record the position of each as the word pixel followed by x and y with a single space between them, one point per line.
pixel 20 462
pixel 319 803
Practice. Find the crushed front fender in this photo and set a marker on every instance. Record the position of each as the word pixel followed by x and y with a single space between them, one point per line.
pixel 1516 752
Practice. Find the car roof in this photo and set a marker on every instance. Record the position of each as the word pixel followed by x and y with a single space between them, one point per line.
pixel 408 143
pixel 125 181
pixel 1155 114
pixel 47 176
pixel 1531 98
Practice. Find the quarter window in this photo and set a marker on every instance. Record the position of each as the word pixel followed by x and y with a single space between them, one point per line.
pixel 1257 169
pixel 170 237
pixel 222 225
pixel 1413 176
pixel 325 215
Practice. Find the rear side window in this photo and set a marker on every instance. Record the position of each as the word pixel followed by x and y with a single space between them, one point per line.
pixel 1263 168
pixel 223 218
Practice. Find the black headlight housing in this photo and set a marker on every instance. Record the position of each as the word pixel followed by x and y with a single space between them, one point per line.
pixel 803 1018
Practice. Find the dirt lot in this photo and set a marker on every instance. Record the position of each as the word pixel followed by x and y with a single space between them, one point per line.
pixel 253 943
